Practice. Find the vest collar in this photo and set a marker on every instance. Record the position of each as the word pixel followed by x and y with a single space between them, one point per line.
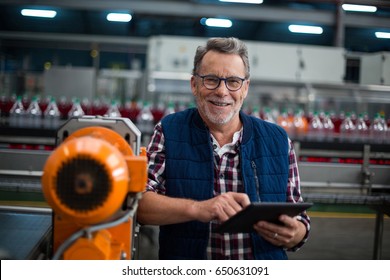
pixel 246 122
pixel 248 127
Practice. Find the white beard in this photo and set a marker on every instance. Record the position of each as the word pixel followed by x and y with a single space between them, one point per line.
pixel 215 118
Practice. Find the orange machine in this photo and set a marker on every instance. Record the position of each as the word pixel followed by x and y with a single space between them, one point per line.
pixel 93 182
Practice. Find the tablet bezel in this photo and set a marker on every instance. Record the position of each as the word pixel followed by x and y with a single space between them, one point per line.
pixel 244 220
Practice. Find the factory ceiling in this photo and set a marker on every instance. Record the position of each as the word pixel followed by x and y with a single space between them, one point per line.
pixel 82 23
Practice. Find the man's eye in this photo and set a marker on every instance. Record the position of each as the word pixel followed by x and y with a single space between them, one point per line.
pixel 233 81
pixel 211 80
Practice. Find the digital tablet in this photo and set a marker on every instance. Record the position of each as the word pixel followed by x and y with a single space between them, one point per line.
pixel 244 220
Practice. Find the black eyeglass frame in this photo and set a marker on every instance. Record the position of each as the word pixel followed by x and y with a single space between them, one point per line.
pixel 220 79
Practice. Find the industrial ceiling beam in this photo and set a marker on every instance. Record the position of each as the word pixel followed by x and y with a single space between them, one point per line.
pixel 193 9
pixel 81 38
pixel 88 42
pixel 377 3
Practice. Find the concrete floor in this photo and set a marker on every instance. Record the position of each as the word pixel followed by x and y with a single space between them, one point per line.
pixel 343 239
pixel 332 238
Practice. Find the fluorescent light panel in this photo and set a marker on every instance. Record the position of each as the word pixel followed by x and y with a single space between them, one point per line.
pixel 119 17
pixel 307 29
pixel 38 13
pixel 218 22
pixel 243 1
pixel 382 35
pixel 359 8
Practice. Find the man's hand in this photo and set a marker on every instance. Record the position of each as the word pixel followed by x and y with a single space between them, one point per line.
pixel 221 207
pixel 287 235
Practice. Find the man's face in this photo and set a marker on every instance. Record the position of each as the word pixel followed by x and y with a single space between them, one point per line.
pixel 219 106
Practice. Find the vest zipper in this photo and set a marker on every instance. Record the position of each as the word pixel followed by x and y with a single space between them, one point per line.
pixel 253 164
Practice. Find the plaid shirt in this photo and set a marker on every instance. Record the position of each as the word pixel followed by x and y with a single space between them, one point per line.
pixel 227 177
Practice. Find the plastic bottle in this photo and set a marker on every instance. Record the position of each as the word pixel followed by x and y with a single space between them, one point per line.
pixel 362 131
pixel 328 127
pixel 134 111
pixel 26 101
pixel 300 124
pixel 255 112
pixel 338 121
pixel 10 102
pixel 170 109
pixel 76 110
pixel 180 107
pixel 267 115
pixel 34 114
pixel 284 121
pixel 366 119
pixel 385 128
pixel 354 118
pixel 113 110
pixel 64 107
pixel 309 116
pixel 97 108
pixel 383 121
pixel 158 111
pixel 347 129
pixel 377 131
pixel 52 115
pixel 3 109
pixel 316 128
pixel 43 103
pixel 145 122
pixel 17 113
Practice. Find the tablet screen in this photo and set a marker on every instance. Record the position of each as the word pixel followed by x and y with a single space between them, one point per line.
pixel 244 220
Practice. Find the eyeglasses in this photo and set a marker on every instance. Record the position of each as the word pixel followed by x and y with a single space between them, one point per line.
pixel 213 82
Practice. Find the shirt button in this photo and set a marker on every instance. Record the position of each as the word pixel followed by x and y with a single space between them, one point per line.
pixel 221 176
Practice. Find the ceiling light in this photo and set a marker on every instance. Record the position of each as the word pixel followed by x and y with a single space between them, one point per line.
pixel 359 8
pixel 119 17
pixel 38 13
pixel 217 22
pixel 308 29
pixel 243 1
pixel 382 35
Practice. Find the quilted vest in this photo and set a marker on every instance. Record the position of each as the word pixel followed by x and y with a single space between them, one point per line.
pixel 189 174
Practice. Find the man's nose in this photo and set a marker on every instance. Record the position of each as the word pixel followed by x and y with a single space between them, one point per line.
pixel 222 89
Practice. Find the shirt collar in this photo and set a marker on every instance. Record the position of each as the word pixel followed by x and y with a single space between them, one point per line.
pixel 230 147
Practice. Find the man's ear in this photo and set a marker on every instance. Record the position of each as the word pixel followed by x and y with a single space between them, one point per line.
pixel 193 85
pixel 247 82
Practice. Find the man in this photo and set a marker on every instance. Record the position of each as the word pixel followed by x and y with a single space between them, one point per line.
pixel 207 164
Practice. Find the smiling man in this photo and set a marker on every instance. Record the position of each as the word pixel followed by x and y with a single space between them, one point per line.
pixel 207 164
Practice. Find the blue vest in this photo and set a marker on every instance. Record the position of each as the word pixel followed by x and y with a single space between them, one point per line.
pixel 189 174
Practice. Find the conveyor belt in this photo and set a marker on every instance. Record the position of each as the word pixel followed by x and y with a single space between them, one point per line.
pixel 24 234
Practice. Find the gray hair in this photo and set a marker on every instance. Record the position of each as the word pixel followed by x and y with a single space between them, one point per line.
pixel 223 45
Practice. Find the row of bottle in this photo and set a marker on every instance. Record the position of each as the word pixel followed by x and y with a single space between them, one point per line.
pixel 320 126
pixel 35 116
pixel 50 114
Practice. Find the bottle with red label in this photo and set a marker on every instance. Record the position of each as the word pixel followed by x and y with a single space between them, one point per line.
pixel 64 107
pixel 316 128
pixel 300 124
pixel 362 131
pixel 347 129
pixel 328 127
